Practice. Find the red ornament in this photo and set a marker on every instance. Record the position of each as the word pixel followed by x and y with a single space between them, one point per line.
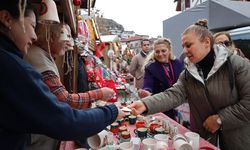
pixel 43 8
pixel 102 45
pixel 77 2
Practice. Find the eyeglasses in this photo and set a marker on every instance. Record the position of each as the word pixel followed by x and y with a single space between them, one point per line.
pixel 226 43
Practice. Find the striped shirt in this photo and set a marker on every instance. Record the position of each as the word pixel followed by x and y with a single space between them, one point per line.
pixel 75 100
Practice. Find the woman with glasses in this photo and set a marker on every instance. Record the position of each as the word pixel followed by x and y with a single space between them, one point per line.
pixel 216 85
pixel 225 39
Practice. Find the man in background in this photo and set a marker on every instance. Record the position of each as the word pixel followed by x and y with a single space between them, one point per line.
pixel 137 62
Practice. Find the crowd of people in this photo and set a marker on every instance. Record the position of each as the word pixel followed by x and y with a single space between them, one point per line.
pixel 37 112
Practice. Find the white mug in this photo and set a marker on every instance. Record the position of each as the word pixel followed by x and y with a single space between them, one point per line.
pixel 126 146
pixel 137 142
pixel 162 137
pixel 160 145
pixel 100 140
pixel 181 143
pixel 149 143
pixel 194 139
pixel 165 125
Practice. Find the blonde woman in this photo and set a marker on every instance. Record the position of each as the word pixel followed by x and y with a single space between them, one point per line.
pixel 162 70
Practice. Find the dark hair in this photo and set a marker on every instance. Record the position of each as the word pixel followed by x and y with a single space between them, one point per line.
pixel 12 6
pixel 144 40
pixel 200 28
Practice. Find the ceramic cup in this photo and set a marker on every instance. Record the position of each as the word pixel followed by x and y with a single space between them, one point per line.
pixel 127 114
pixel 132 119
pixel 194 139
pixel 125 136
pixel 114 128
pixel 181 143
pixel 161 145
pixel 149 143
pixel 141 132
pixel 121 122
pixel 100 140
pixel 153 126
pixel 165 125
pixel 162 137
pixel 122 128
pixel 126 146
pixel 137 142
pixel 140 124
pixel 140 118
pixel 159 130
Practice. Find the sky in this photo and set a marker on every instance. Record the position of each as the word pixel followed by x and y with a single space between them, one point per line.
pixel 144 17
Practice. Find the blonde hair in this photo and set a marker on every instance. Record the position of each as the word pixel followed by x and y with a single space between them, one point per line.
pixel 42 31
pixel 200 28
pixel 223 33
pixel 151 57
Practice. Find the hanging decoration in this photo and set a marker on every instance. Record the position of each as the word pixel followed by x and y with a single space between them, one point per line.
pixel 48 12
pixel 64 35
pixel 99 49
pixel 77 3
pixel 43 8
pixel 111 80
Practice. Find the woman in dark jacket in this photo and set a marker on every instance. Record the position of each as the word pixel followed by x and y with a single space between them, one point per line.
pixel 26 103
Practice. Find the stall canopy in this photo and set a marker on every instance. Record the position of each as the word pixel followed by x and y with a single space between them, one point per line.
pixel 221 15
pixel 240 33
pixel 109 38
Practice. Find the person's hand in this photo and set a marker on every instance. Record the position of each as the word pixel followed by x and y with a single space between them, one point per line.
pixel 137 107
pixel 120 115
pixel 210 124
pixel 143 93
pixel 107 93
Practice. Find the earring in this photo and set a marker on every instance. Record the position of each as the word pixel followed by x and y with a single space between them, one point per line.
pixel 9 28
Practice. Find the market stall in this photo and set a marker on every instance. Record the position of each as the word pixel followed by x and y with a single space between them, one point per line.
pixel 99 74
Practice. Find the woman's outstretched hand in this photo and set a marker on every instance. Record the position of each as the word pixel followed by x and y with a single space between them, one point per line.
pixel 137 107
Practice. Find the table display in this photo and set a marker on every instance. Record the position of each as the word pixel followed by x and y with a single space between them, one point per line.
pixel 156 131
